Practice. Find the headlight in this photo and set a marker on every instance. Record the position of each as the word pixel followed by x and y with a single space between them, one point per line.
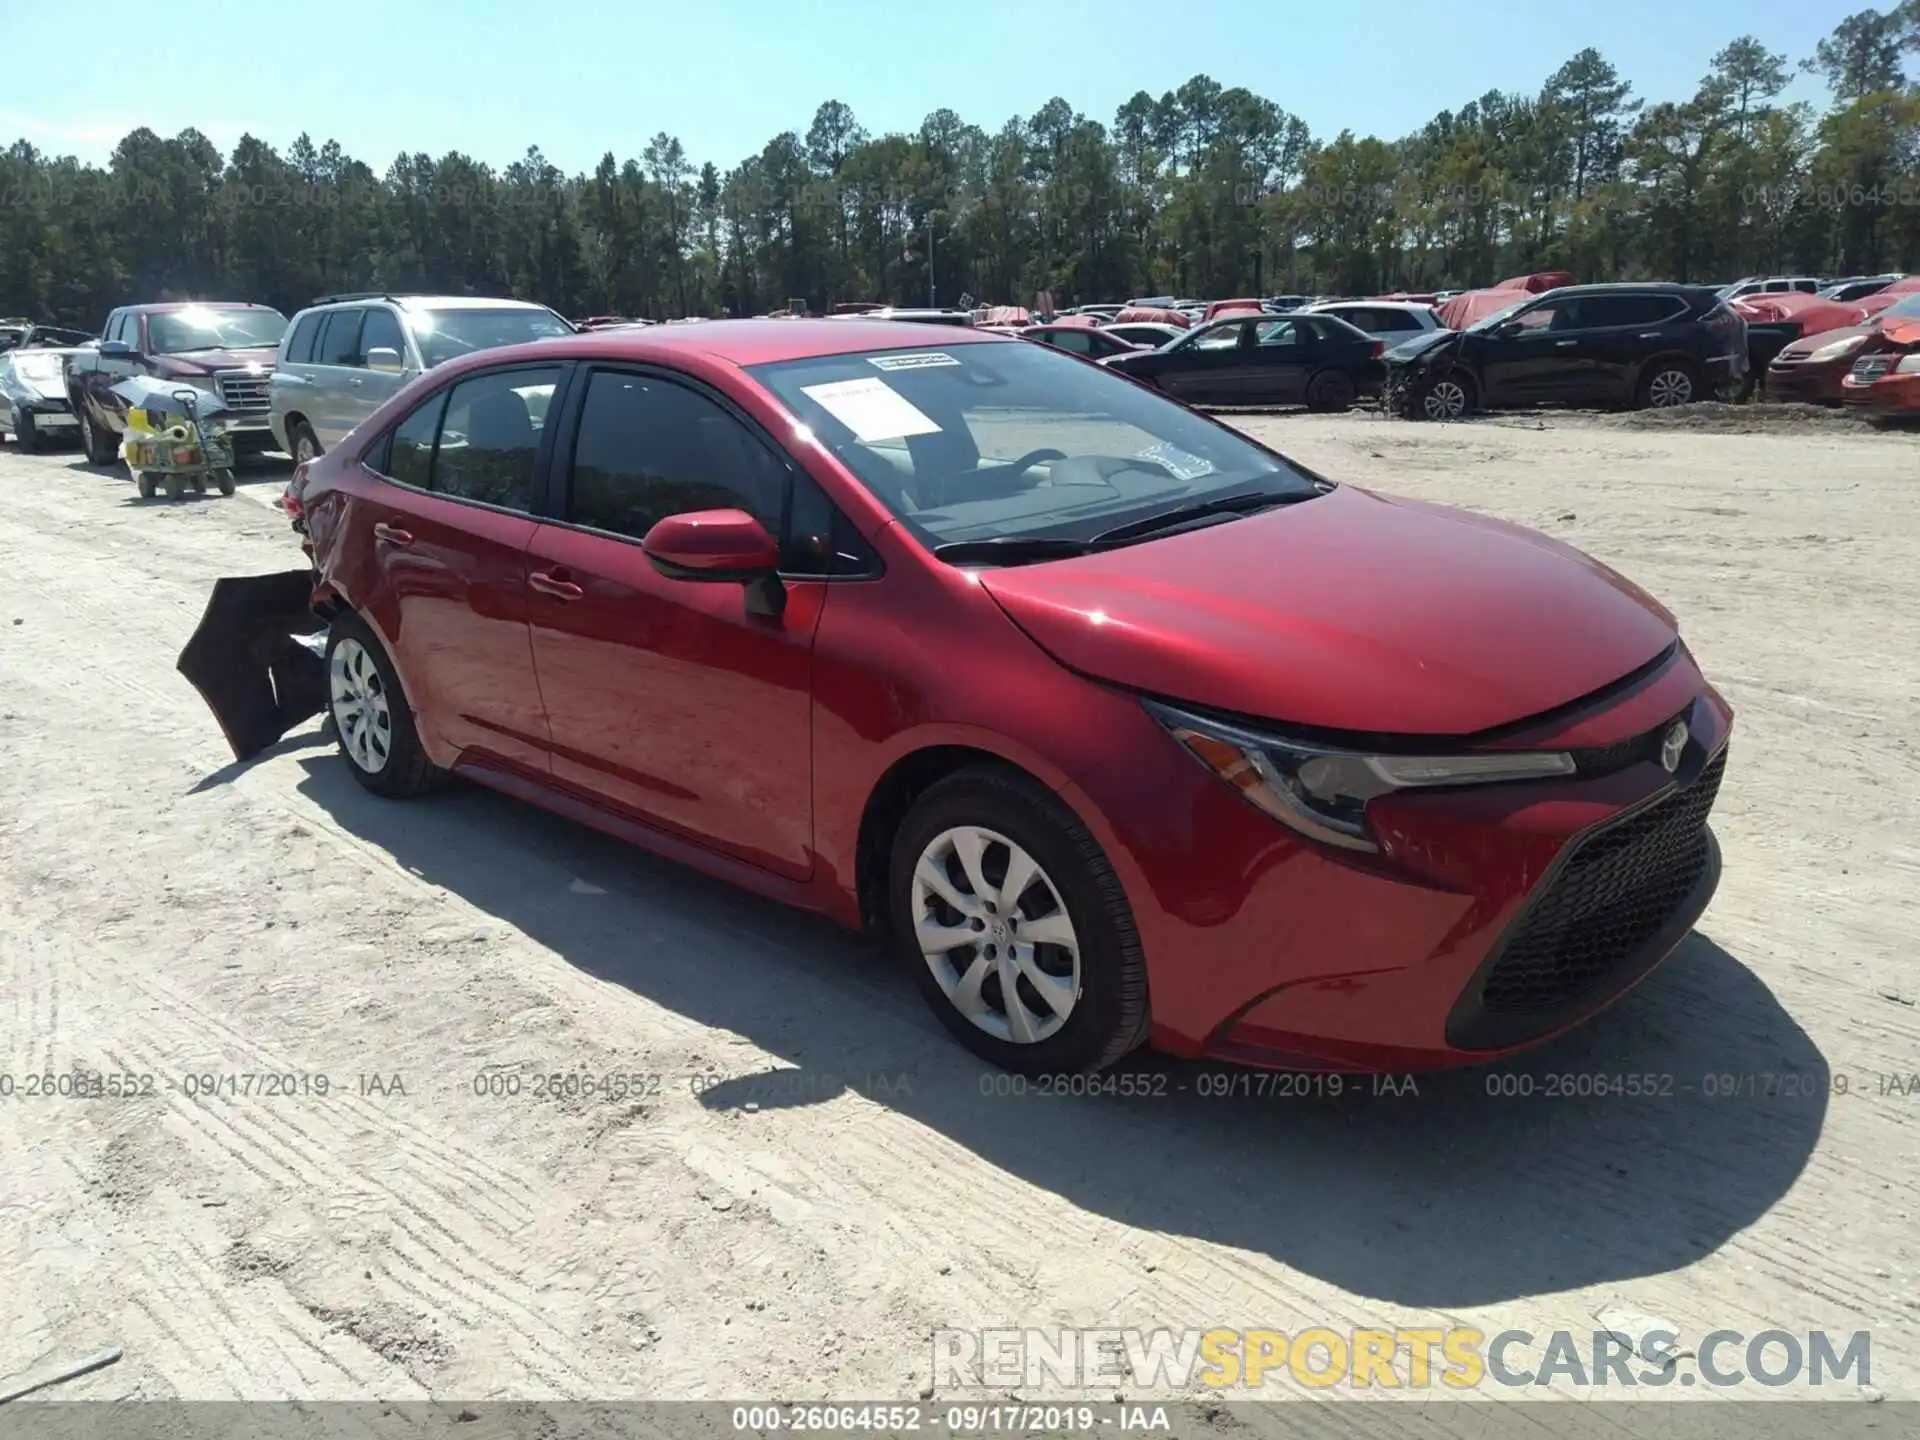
pixel 1838 348
pixel 1909 364
pixel 1322 792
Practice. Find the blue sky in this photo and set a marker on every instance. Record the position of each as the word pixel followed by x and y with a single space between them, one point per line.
pixel 490 77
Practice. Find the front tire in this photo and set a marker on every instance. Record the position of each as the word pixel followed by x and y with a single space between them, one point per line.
pixel 374 727
pixel 100 448
pixel 1449 395
pixel 302 443
pixel 1015 927
pixel 1668 383
pixel 146 484
pixel 25 433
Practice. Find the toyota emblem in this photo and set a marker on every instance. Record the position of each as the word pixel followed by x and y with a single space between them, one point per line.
pixel 1672 747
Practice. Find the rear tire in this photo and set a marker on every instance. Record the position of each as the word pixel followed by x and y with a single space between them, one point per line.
pixel 25 433
pixel 145 484
pixel 373 725
pixel 176 487
pixel 1666 384
pixel 1331 390
pixel 1093 967
pixel 224 479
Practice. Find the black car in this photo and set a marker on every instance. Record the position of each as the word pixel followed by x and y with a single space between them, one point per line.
pixel 1642 345
pixel 1245 359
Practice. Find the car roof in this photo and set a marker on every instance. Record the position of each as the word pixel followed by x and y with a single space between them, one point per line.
pixel 756 342
pixel 432 302
pixel 164 307
pixel 1414 305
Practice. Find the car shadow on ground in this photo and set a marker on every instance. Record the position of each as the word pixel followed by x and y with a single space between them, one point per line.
pixel 1465 1189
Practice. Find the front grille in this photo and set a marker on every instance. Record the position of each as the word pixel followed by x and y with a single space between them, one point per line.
pixel 243 390
pixel 1611 895
pixel 1605 759
pixel 1872 367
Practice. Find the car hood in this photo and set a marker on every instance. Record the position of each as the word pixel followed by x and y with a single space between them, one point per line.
pixel 1419 345
pixel 1352 611
pixel 205 362
pixel 1800 349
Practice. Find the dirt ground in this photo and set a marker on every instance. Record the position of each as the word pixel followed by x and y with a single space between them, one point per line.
pixel 805 1178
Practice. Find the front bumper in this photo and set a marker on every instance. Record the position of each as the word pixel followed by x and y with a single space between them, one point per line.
pixel 1470 935
pixel 1890 394
pixel 49 412
pixel 1806 382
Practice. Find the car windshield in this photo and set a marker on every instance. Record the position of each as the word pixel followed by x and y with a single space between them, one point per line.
pixel 443 334
pixel 196 328
pixel 1501 316
pixel 1907 309
pixel 996 441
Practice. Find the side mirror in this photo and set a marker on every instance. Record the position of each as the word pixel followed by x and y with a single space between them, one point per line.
pixel 720 545
pixel 116 349
pixel 1507 329
pixel 385 359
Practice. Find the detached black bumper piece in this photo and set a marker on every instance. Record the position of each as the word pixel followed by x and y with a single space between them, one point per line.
pixel 256 677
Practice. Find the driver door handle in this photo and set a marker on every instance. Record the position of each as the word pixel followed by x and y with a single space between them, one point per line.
pixel 560 589
pixel 389 535
pixel 1563 344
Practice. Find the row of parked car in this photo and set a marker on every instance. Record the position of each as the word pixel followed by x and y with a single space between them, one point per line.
pixel 300 386
pixel 1528 341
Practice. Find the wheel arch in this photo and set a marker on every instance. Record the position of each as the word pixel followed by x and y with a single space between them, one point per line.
pixel 893 795
pixel 1665 357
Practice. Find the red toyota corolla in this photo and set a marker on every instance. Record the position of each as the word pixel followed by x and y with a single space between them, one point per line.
pixel 1120 726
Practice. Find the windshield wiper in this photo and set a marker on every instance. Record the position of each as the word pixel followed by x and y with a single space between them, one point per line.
pixel 1012 549
pixel 1198 510
pixel 1009 549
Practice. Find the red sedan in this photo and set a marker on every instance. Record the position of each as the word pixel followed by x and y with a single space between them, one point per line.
pixel 1120 726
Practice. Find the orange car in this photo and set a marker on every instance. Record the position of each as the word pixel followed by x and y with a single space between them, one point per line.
pixel 1888 383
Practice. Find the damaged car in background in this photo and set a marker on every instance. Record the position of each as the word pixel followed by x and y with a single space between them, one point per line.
pixel 33 385
pixel 1886 385
pixel 1649 346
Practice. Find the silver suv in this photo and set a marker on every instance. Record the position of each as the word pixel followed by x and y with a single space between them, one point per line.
pixel 345 356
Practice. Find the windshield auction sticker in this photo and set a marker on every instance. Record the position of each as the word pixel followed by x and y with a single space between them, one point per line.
pixel 871 409
pixel 924 360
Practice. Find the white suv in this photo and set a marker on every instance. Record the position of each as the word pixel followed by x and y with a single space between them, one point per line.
pixel 345 355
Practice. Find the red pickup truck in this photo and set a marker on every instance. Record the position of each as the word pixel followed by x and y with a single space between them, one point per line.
pixel 222 347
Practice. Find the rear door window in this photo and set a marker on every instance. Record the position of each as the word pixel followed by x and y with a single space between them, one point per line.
pixel 1599 312
pixel 409 451
pixel 490 437
pixel 339 342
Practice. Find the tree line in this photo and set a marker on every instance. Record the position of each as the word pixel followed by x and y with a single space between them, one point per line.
pixel 1204 191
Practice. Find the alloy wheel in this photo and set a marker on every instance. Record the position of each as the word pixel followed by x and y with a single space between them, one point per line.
pixel 996 934
pixel 361 712
pixel 305 449
pixel 1445 400
pixel 1669 387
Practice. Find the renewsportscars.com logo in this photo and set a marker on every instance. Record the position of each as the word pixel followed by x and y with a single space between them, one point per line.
pixel 1456 1359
